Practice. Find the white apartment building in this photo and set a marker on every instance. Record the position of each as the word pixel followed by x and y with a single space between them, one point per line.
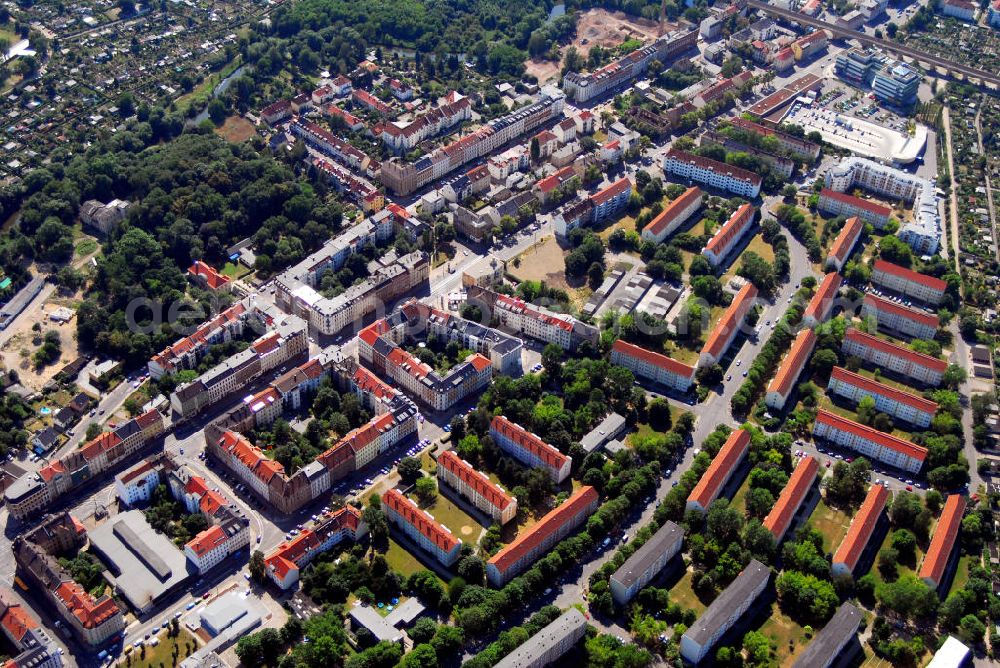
pixel 870 442
pixel 901 405
pixel 898 318
pixel 137 485
pixel 646 562
pixel 903 361
pixel 421 528
pixel 529 449
pixel 459 475
pixel 653 366
pixel 791 367
pixel 712 172
pixel 927 289
pixel 211 547
pixel 673 216
pixel 730 234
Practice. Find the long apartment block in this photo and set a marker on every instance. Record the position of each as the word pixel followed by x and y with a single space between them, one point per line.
pixel 921 287
pixel 789 370
pixel 429 534
pixel 903 361
pixel 549 644
pixel 729 235
pixel 712 173
pixel 844 244
pixel 529 449
pixel 285 563
pixel 871 443
pixel 906 406
pixel 487 497
pixel 728 327
pixel 786 141
pixel 646 562
pixel 940 557
pixel 821 305
pixel 34 493
pixel 656 367
pixel 896 318
pixel 796 491
pixel 558 523
pixel 674 215
pixel 531 320
pixel 720 471
pixel 859 534
pixel 842 204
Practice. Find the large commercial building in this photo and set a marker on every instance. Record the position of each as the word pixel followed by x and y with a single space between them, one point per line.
pixel 923 233
pixel 529 449
pixel 903 361
pixel 820 306
pixel 285 563
pixel 558 523
pixel 896 83
pixel 646 562
pixel 548 645
pixel 907 282
pixel 860 533
pixel 35 492
pixel 728 327
pixel 894 402
pixel 841 204
pixel 826 648
pixel 899 319
pixel 656 367
pixel 725 611
pixel 799 486
pixel 791 366
pixel 844 243
pixel 380 346
pixel 583 87
pixel 712 173
pixel 403 178
pixel 461 476
pixel 871 443
pixel 720 471
pixel 673 215
pixel 939 557
pixel 729 235
pixel 859 65
pixel 426 532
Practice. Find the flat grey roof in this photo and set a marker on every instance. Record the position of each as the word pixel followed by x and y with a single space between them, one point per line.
pixel 602 433
pixel 826 646
pixel 367 617
pixel 527 654
pixel 718 613
pixel 138 583
pixel 665 538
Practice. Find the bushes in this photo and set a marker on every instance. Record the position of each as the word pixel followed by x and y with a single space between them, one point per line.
pixel 763 366
pixel 791 217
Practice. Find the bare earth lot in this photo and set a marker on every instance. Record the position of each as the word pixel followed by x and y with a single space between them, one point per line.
pixel 236 129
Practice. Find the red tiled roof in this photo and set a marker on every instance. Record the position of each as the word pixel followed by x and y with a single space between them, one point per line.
pixel 91 613
pixel 419 520
pixel 213 279
pixel 361 437
pixel 667 216
pixel 553 181
pixel 722 466
pixel 18 622
pixel 372 384
pixel 792 365
pixel 858 202
pixel 732 229
pixel 881 304
pixel 102 443
pixel 814 36
pixel 138 472
pixel 475 479
pixel 932 363
pixel 196 485
pixel 211 501
pixel 715 166
pixel 875 387
pixel 267 344
pixel 200 336
pixel 479 362
pixel 740 122
pixel 371 333
pixel 910 275
pixel 612 191
pixel 148 418
pixel 822 302
pixel 547 453
pixel 52 470
pixel 207 540
pixel 943 539
pixel 545 527
pixel 792 496
pixel 848 236
pixel 874 435
pixel 668 364
pixel 862 526
pixel 730 321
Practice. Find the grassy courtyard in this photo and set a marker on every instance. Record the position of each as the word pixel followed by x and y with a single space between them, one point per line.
pixel 170 652
pixel 830 522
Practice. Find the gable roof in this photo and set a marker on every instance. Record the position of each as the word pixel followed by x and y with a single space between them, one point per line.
pixel 867 384
pixel 886 306
pixel 477 480
pixel 793 362
pixel 874 435
pixel 730 321
pixel 867 340
pixel 421 521
pixel 943 539
pixel 821 304
pixel 515 432
pixel 910 275
pixel 719 471
pixel 674 209
pixel 862 527
pixel 791 497
pixel 668 364
pixel 848 236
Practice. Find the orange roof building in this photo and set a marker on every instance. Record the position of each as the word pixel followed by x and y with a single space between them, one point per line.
pixel 791 366
pixel 539 539
pixel 207 277
pixel 863 526
pixel 871 443
pixel 730 456
pixel 821 305
pixel 842 204
pixel 529 449
pixel 899 319
pixel 730 234
pixel 474 485
pixel 657 367
pixel 911 408
pixel 891 357
pixel 779 520
pixel 287 560
pixel 728 327
pixel 673 215
pixel 934 569
pixel 421 527
pixel 844 243
pixel 908 282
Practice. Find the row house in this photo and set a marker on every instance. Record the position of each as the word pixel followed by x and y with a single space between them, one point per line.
pixel 789 142
pixel 891 357
pixel 729 235
pixel 859 534
pixel 402 137
pixel 872 443
pixel 728 327
pixel 420 527
pixel 222 328
pixel 718 474
pixel 365 99
pixel 794 494
pixel 710 172
pixel 897 318
pixel 780 387
pixel 821 304
pixel 459 475
pixel 349 120
pixel 905 406
pixel 529 449
pixel 517 556
pixel 841 204
pixel 285 563
pixel 528 319
pixel 904 281
pixel 332 146
pixel 844 244
pixel 674 215
pixel 659 368
pixel 941 555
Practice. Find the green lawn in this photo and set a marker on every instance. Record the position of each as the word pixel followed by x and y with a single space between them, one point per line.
pixel 86 247
pixel 758 246
pixel 402 561
pixel 683 595
pixel 830 522
pixel 739 501
pixel 163 654
pixel 234 271
pixel 789 638
pixel 454 519
pixel 961 573
pixel 825 403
